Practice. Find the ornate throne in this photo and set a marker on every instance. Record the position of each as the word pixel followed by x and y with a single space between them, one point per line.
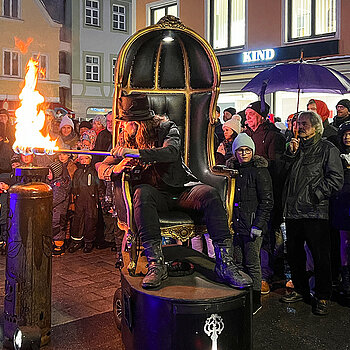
pixel 180 74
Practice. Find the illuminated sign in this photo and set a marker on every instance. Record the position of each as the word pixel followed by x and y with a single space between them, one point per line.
pixel 258 55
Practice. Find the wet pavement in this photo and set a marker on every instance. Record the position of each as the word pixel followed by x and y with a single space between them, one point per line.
pixel 82 318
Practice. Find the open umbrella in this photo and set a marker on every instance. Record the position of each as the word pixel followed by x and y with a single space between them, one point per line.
pixel 298 77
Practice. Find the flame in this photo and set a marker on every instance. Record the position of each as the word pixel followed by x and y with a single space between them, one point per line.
pixel 29 118
pixel 23 46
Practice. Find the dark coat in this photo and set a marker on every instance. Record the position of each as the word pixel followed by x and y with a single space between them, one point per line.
pixel 340 201
pixel 103 143
pixel 253 200
pixel 6 153
pixel 314 172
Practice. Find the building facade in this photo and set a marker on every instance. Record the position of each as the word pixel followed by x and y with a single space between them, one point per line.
pixel 250 36
pixel 27 31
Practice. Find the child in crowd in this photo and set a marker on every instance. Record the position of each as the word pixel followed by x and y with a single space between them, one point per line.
pixel 253 202
pixel 231 129
pixel 87 190
pixel 61 187
pixel 87 140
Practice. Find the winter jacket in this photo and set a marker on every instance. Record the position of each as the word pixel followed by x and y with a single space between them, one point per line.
pixel 165 159
pixel 314 172
pixel 103 143
pixel 5 157
pixel 253 199
pixel 340 201
pixel 224 152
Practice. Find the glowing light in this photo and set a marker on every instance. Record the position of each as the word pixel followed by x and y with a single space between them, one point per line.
pixel 30 119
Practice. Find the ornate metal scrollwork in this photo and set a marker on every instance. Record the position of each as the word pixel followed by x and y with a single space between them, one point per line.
pixel 170 21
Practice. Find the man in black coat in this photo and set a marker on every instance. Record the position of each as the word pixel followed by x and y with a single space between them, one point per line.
pixel 315 172
pixel 164 184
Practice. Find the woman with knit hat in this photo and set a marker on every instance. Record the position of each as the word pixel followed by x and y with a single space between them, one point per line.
pixel 231 129
pixel 253 202
pixel 67 136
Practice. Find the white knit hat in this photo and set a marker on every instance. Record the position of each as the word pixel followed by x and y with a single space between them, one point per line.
pixel 243 140
pixel 234 123
pixel 66 121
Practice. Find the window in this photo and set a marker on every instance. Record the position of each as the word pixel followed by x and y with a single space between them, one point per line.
pixel 43 71
pixel 92 12
pixel 158 12
pixel 311 18
pixel 92 68
pixel 227 23
pixel 114 62
pixel 10 8
pixel 119 17
pixel 11 63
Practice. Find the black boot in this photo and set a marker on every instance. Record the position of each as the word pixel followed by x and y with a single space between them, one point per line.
pixel 256 301
pixel 226 268
pixel 345 283
pixel 157 270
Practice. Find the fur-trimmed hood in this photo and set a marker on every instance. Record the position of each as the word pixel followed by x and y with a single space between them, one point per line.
pixel 258 162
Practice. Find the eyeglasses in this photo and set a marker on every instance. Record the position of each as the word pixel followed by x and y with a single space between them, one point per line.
pixel 244 151
pixel 340 107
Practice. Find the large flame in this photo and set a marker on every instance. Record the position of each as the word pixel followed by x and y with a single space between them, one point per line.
pixel 29 118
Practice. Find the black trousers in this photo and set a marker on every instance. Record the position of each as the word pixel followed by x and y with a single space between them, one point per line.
pixel 315 232
pixel 200 199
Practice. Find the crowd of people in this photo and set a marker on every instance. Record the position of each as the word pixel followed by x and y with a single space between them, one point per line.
pixel 294 179
pixel 83 211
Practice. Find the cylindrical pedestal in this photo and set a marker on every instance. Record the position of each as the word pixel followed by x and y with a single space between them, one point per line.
pixel 189 312
pixel 28 265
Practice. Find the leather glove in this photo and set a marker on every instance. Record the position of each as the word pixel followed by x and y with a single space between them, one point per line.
pixel 255 232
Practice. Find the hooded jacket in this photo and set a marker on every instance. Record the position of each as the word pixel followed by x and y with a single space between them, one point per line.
pixel 253 200
pixel 315 172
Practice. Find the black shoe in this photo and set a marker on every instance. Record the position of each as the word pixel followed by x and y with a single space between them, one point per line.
pixel 88 248
pixel 75 246
pixel 292 297
pixel 157 270
pixel 320 307
pixel 225 267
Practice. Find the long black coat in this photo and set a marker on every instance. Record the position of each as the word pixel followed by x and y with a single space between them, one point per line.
pixel 315 172
pixel 253 200
pixel 340 201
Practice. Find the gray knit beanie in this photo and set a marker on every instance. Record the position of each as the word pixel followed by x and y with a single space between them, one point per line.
pixel 243 140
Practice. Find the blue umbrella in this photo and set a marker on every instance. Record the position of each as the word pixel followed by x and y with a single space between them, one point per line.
pixel 298 77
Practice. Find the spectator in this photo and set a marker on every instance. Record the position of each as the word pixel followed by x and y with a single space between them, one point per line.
pixel 315 171
pixel 6 151
pixel 9 132
pixel 87 190
pixel 343 113
pixel 61 186
pixel 54 132
pixel 340 210
pixel 27 160
pixel 84 126
pixel 104 137
pixel 251 210
pixel 228 113
pixel 87 140
pixel 67 137
pixel 231 129
pixel 15 161
pixel 270 144
pixel 322 110
pixel 218 132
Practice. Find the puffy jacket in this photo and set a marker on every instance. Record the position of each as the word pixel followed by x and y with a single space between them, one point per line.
pixel 253 200
pixel 315 172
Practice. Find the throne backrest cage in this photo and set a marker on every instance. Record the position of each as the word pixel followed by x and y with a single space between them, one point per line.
pixel 181 78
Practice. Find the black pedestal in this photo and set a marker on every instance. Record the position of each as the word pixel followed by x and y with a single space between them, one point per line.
pixel 175 316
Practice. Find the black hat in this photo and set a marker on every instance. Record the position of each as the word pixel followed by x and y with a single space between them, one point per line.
pixel 345 102
pixel 7 178
pixel 56 168
pixel 16 158
pixel 344 127
pixel 218 109
pixel 256 106
pixel 230 110
pixel 85 124
pixel 133 107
